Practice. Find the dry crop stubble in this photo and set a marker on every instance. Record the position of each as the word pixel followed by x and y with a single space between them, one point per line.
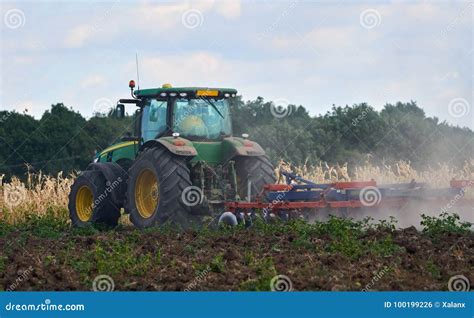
pixel 42 194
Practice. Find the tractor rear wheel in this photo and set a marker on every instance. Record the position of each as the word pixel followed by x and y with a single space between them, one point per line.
pixel 90 202
pixel 253 171
pixel 155 185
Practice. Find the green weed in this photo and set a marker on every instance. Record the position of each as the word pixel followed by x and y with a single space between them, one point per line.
pixel 265 271
pixel 217 264
pixel 445 223
pixel 433 269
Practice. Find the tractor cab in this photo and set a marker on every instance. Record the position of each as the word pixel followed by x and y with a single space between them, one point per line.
pixel 195 113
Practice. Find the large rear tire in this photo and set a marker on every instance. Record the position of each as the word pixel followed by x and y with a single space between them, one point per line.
pixel 155 185
pixel 256 171
pixel 90 202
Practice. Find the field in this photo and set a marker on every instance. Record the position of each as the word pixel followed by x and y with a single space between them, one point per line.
pixel 336 255
pixel 40 251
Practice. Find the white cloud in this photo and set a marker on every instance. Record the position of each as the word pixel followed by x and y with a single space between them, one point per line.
pixel 229 9
pixel 149 17
pixel 327 38
pixel 423 11
pixel 197 68
pixel 23 60
pixel 93 81
pixel 158 17
pixel 78 36
pixel 334 37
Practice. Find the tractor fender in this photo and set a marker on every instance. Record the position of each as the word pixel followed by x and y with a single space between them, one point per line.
pixel 176 145
pixel 116 180
pixel 235 147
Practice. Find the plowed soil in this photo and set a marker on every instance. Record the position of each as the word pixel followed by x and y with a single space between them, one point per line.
pixel 246 259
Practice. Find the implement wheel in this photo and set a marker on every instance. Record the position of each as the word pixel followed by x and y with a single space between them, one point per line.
pixel 156 182
pixel 90 202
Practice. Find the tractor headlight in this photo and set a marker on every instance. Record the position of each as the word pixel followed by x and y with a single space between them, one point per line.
pixel 163 94
pixel 173 94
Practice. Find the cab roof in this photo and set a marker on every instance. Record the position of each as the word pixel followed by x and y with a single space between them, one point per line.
pixel 189 91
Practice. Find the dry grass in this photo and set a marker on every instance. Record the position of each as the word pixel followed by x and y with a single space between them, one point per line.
pixel 402 171
pixel 46 194
pixel 41 194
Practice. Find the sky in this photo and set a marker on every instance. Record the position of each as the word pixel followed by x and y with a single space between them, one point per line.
pixel 315 54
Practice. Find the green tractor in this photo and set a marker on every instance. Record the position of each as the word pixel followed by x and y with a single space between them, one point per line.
pixel 180 164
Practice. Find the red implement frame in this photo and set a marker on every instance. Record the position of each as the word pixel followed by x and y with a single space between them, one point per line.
pixel 275 206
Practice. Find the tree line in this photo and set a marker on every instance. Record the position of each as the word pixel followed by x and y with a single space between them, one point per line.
pixel 352 134
pixel 63 140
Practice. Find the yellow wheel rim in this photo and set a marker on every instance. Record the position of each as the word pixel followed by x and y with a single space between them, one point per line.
pixel 147 193
pixel 84 201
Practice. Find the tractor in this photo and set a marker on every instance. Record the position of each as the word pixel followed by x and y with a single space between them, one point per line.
pixel 180 164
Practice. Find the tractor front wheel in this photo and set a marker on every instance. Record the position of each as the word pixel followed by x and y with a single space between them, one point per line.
pixel 156 182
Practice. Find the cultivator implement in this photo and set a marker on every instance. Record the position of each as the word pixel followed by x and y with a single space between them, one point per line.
pixel 301 197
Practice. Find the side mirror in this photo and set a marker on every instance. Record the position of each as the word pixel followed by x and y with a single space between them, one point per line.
pixel 120 111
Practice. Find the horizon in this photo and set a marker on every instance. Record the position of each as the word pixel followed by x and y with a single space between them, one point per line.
pixel 103 112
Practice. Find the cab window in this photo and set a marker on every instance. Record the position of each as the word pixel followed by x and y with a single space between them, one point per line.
pixel 154 119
